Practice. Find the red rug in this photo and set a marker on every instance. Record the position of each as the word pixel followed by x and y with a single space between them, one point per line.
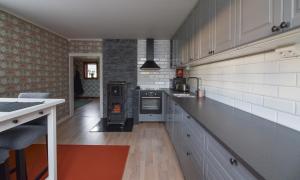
pixel 79 162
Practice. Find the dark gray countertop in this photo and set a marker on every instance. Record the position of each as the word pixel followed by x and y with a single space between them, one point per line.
pixel 265 148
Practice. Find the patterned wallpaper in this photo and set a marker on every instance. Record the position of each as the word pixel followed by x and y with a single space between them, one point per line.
pixel 85 46
pixel 32 59
pixel 91 87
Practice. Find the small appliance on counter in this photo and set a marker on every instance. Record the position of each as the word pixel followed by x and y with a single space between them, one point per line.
pixel 179 84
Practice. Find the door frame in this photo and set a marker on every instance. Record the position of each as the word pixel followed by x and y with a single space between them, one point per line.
pixel 71 79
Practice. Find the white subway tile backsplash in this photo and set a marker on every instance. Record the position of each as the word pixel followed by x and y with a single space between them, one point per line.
pixel 279 104
pixel 265 90
pixel 264 67
pixel 292 93
pixel 242 105
pixel 265 85
pixel 289 120
pixel 280 79
pixel 254 99
pixel 292 65
pixel 298 108
pixel 266 113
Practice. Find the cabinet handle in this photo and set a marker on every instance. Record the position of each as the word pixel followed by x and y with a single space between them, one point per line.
pixel 189 117
pixel 284 25
pixel 188 135
pixel 233 162
pixel 213 52
pixel 15 121
pixel 209 52
pixel 275 29
pixel 188 153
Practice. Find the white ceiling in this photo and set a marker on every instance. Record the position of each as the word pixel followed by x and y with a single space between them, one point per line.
pixel 104 18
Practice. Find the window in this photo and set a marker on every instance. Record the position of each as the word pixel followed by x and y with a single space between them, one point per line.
pixel 90 70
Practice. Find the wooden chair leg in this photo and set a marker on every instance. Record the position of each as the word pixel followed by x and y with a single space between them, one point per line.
pixel 21 165
pixel 4 171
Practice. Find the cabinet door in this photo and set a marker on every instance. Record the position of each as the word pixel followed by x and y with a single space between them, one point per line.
pixel 191 36
pixel 186 44
pixel 197 32
pixel 170 118
pixel 214 172
pixel 206 26
pixel 292 12
pixel 181 50
pixel 224 17
pixel 256 19
pixel 219 157
pixel 167 116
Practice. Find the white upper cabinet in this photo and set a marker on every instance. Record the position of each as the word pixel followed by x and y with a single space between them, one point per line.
pixel 224 24
pixel 291 14
pixel 197 32
pixel 218 25
pixel 205 28
pixel 191 38
pixel 257 19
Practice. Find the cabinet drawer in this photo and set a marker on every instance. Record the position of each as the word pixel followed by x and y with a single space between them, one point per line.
pixel 217 154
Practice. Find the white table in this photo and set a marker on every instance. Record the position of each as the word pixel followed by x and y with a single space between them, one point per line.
pixel 15 118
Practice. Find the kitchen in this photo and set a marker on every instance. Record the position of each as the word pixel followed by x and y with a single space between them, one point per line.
pixel 213 93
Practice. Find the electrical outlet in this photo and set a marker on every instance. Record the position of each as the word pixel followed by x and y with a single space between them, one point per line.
pixel 289 51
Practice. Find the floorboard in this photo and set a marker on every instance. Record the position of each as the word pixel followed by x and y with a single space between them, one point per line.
pixel 151 155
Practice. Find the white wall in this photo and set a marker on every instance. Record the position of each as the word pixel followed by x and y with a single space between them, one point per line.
pixel 157 78
pixel 265 85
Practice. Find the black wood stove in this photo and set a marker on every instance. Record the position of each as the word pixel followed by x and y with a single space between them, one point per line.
pixel 116 102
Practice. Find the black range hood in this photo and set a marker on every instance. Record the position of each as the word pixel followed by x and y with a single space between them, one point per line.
pixel 150 64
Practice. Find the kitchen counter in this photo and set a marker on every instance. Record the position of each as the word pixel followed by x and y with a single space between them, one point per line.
pixel 267 149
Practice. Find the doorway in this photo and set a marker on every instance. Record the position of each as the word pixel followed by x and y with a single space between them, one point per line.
pixel 85 80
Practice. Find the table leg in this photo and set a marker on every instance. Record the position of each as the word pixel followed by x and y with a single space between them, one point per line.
pixel 52 148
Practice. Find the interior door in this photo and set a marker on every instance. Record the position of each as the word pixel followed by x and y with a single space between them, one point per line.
pixel 292 12
pixel 256 19
pixel 224 15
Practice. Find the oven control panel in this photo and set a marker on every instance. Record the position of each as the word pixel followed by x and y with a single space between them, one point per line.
pixel 150 93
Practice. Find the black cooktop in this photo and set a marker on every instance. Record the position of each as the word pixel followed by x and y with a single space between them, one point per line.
pixel 13 106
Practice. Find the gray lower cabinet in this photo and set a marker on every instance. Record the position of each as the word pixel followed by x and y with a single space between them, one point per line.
pixel 170 116
pixel 226 164
pixel 201 157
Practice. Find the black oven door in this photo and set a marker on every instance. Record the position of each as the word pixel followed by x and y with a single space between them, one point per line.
pixel 150 105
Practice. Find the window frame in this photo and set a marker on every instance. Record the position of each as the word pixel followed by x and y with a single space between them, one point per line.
pixel 85 68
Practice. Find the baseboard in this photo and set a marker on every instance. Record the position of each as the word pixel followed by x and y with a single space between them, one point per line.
pixel 63 119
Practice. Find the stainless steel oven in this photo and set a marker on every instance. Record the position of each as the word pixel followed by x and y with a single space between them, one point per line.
pixel 150 102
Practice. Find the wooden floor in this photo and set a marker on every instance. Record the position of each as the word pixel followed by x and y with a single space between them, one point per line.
pixel 151 155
